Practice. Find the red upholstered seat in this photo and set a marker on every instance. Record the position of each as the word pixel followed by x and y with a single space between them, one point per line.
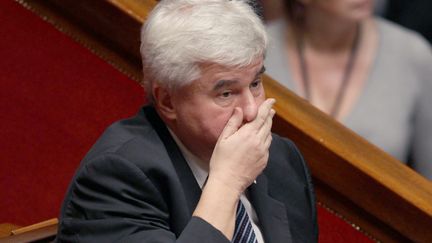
pixel 56 98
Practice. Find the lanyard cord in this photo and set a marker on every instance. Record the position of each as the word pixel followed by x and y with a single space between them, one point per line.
pixel 346 74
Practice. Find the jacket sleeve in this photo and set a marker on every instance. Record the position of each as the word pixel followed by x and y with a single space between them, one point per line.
pixel 112 200
pixel 295 155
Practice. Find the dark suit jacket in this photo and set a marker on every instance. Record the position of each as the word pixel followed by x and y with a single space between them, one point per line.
pixel 135 186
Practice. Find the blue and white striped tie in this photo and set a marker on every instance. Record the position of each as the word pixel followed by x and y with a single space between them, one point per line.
pixel 243 232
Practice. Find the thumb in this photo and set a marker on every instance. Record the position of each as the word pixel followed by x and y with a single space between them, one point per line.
pixel 233 123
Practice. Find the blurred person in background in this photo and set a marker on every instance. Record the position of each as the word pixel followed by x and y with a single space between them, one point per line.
pixel 371 75
pixel 274 8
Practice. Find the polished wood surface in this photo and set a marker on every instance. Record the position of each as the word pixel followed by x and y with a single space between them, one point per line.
pixel 42 230
pixel 6 229
pixel 138 9
pixel 357 180
pixel 115 22
pixel 40 225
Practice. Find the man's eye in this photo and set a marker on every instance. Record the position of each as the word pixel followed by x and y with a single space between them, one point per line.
pixel 226 94
pixel 255 84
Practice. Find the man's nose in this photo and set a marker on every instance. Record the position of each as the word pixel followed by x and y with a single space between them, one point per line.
pixel 250 107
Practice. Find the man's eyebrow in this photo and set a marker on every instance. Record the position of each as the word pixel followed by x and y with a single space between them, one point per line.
pixel 223 82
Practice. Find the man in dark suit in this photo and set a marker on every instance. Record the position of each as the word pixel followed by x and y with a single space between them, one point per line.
pixel 199 164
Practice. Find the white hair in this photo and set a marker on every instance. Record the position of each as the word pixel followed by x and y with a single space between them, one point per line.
pixel 179 35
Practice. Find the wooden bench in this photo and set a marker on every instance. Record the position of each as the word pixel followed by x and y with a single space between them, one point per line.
pixel 45 231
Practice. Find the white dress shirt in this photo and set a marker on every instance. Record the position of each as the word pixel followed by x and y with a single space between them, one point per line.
pixel 200 173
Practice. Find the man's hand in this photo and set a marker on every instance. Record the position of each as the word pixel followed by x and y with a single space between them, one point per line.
pixel 241 152
pixel 240 155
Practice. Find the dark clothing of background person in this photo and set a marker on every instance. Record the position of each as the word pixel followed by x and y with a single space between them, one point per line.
pixel 413 14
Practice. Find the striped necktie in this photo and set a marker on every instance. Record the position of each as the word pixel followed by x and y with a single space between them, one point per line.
pixel 243 232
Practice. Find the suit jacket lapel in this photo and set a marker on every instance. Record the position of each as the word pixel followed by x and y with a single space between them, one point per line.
pixel 190 186
pixel 271 213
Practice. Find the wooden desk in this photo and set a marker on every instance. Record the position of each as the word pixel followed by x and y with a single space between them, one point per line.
pixel 43 230
pixel 6 229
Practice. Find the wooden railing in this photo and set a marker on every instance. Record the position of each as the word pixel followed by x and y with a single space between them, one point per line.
pixel 364 184
pixel 352 177
pixel 45 230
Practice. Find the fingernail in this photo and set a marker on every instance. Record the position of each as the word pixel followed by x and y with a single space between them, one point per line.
pixel 271 100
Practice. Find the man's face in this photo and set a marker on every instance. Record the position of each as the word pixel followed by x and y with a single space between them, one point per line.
pixel 204 107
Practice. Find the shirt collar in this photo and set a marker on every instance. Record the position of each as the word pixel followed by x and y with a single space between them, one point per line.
pixel 195 164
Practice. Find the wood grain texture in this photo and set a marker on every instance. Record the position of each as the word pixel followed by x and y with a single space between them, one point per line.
pixel 117 23
pixel 41 225
pixel 138 9
pixel 39 231
pixel 6 229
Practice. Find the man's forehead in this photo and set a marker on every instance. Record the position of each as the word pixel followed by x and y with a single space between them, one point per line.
pixel 214 68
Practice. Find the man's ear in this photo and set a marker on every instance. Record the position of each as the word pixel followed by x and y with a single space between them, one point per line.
pixel 163 102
